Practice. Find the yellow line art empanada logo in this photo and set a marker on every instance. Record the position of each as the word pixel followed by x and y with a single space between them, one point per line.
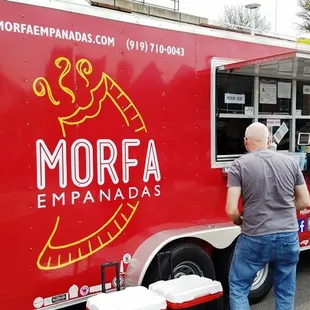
pixel 84 68
pixel 58 256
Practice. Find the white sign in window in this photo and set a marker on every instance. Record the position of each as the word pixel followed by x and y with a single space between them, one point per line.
pixel 235 98
pixel 284 90
pixel 273 122
pixel 280 133
pixel 248 111
pixel 306 90
pixel 268 93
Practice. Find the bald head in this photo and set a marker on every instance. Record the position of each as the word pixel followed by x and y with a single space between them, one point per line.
pixel 257 135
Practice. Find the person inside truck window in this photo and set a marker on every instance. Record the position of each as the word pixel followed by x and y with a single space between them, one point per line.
pixel 273 188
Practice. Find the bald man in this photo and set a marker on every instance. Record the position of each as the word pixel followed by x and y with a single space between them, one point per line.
pixel 272 188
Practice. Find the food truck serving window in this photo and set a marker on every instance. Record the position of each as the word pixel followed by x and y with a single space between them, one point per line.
pixel 234 112
pixel 273 90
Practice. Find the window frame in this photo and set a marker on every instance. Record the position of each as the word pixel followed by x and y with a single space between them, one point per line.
pixel 291 117
pixel 216 62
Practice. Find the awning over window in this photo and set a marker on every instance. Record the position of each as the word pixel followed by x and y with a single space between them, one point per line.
pixel 290 65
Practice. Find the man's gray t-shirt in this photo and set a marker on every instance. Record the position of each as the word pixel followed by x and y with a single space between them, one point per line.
pixel 267 179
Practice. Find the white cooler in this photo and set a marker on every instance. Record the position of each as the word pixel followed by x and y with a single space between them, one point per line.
pixel 190 292
pixel 131 298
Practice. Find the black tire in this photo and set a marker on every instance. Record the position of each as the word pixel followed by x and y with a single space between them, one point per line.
pixel 181 253
pixel 190 255
pixel 222 265
pixel 264 285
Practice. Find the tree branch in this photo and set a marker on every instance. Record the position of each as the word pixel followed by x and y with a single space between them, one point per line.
pixel 304 14
pixel 238 17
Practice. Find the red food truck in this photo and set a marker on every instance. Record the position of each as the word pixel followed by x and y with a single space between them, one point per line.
pixel 118 122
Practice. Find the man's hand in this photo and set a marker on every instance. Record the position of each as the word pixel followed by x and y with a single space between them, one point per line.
pixel 233 195
pixel 239 221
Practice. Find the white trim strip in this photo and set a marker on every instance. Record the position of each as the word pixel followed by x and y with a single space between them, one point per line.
pixel 302 55
pixel 215 62
pixel 304 248
pixel 232 115
pixel 68 303
pixel 274 116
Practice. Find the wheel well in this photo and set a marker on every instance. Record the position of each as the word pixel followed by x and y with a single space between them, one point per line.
pixel 208 239
pixel 207 247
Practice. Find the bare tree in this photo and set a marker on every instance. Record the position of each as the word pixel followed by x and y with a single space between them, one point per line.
pixel 304 14
pixel 239 18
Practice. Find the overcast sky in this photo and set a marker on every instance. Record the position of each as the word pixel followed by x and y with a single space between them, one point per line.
pixel 286 11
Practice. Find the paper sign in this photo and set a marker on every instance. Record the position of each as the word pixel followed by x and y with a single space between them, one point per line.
pixel 273 122
pixel 248 110
pixel 306 90
pixel 268 93
pixel 280 133
pixel 298 112
pixel 284 90
pixel 235 98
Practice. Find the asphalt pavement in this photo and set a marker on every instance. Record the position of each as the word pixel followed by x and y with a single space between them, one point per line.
pixel 302 297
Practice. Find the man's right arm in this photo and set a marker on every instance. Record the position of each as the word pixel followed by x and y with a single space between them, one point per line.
pixel 302 197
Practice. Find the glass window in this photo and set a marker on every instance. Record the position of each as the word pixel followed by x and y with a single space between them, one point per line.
pixel 234 111
pixel 302 125
pixel 230 134
pixel 275 96
pixel 234 93
pixel 284 144
pixel 303 98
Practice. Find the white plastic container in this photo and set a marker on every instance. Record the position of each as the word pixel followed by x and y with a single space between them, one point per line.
pixel 188 291
pixel 131 298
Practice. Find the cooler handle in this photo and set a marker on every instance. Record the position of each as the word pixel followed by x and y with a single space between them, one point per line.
pixel 103 268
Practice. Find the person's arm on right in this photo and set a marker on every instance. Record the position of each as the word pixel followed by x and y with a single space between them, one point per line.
pixel 302 197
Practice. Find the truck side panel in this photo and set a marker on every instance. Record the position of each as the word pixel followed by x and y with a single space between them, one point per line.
pixel 105 133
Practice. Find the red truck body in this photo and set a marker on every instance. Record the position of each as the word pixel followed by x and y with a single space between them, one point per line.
pixel 105 134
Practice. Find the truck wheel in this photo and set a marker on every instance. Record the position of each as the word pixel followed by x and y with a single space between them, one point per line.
pixel 261 286
pixel 186 259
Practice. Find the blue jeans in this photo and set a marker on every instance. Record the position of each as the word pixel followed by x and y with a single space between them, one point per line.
pixel 280 251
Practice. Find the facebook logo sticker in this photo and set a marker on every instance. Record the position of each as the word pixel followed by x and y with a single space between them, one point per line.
pixel 301 225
